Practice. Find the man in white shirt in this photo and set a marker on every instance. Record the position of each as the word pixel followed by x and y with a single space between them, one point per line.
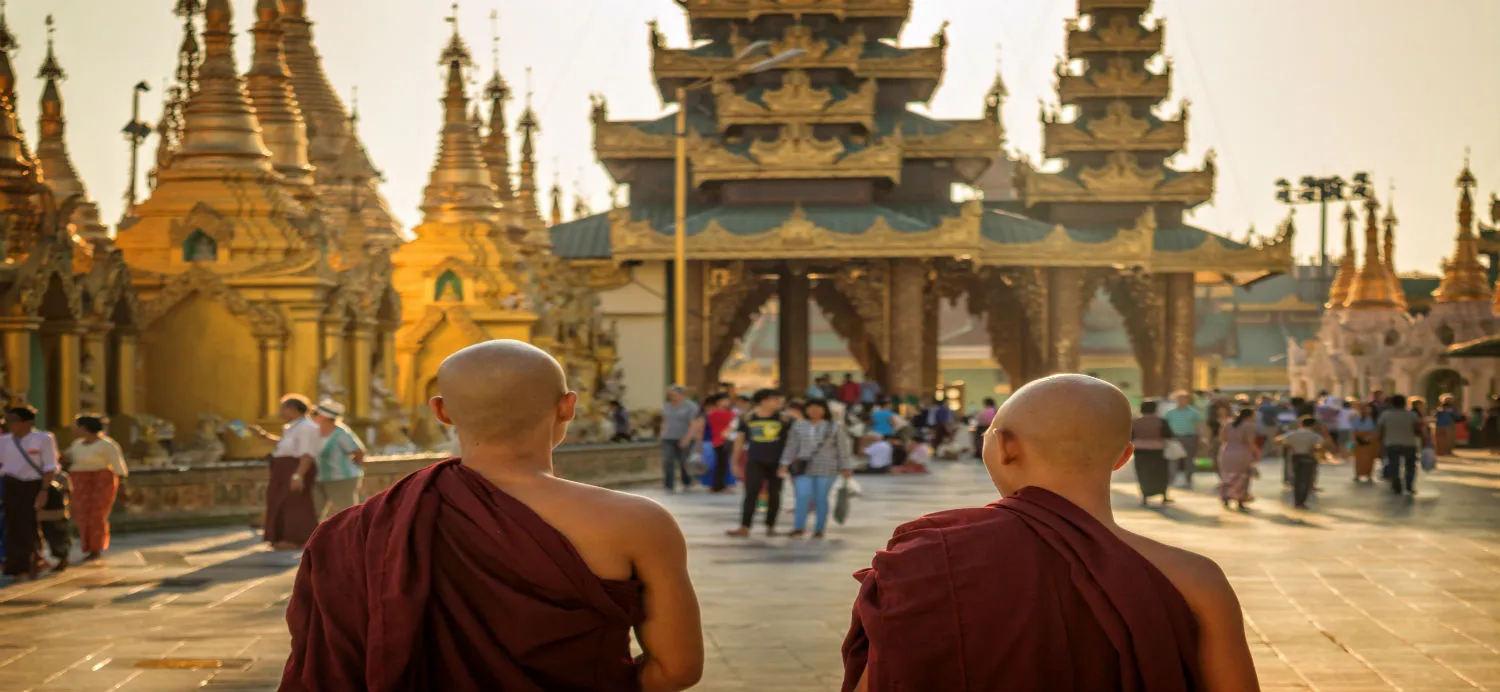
pixel 290 515
pixel 879 454
pixel 28 462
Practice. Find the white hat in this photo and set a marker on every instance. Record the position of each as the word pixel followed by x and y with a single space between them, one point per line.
pixel 330 409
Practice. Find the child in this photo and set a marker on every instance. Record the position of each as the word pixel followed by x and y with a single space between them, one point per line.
pixel 1302 455
pixel 918 456
pixel 57 528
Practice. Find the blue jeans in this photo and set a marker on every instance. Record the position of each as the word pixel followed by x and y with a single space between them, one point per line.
pixel 812 494
pixel 674 459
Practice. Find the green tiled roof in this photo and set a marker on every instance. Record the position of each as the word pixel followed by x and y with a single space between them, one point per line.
pixel 911 124
pixel 586 238
pixel 1419 288
pixel 712 49
pixel 667 124
pixel 1184 238
pixel 881 49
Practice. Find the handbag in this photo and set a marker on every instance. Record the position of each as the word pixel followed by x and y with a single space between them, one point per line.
pixel 798 467
pixel 1429 459
pixel 56 498
pixel 841 503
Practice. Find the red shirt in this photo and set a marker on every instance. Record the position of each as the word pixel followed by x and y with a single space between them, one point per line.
pixel 849 392
pixel 719 421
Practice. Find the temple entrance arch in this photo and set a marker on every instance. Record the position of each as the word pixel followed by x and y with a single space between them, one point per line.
pixel 1442 382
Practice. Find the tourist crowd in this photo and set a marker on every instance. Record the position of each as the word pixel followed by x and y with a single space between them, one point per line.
pixel 1230 436
pixel 834 431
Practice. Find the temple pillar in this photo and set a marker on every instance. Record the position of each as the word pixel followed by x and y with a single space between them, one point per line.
pixel 362 354
pixel 388 369
pixel 63 378
pixel 127 361
pixel 333 372
pixel 15 339
pixel 908 284
pixel 697 330
pixel 303 352
pixel 932 372
pixel 1065 304
pixel 96 346
pixel 273 369
pixel 1179 333
pixel 408 387
pixel 794 352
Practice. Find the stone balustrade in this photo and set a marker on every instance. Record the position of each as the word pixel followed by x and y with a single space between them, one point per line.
pixel 235 491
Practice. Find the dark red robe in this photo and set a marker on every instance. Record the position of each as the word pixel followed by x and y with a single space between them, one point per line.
pixel 1029 593
pixel 444 582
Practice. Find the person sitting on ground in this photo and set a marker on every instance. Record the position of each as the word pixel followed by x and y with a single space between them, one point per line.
pixel 918 456
pixel 1302 446
pixel 878 456
pixel 488 572
pixel 1042 590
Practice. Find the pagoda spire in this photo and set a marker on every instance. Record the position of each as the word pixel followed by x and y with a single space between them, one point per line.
pixel 496 146
pixel 52 150
pixel 1464 277
pixel 1371 289
pixel 459 189
pixel 169 128
pixel 1343 281
pixel 1389 253
pixel 18 170
pixel 276 107
pixel 220 130
pixel 526 190
pixel 557 199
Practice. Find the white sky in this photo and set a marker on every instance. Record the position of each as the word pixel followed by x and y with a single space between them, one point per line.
pixel 1281 88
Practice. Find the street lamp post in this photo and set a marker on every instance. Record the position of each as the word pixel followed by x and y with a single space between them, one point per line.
pixel 1321 191
pixel 136 131
pixel 679 265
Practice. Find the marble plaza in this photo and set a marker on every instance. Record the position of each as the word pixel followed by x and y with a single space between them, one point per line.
pixel 1370 592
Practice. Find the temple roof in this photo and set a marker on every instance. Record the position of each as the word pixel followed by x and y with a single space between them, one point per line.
pixel 987 234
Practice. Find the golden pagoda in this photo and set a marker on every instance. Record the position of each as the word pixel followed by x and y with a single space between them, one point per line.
pixel 1343 281
pixel 276 109
pixel 458 277
pixel 1372 286
pixel 52 151
pixel 1398 293
pixel 348 182
pixel 231 265
pixel 1464 278
pixel 496 146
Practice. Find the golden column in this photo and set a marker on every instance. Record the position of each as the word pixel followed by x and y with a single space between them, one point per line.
pixel 362 355
pixel 932 369
pixel 306 357
pixel 126 370
pixel 333 338
pixel 1065 303
pixel 96 345
pixel 696 328
pixel 273 369
pixel 15 336
pixel 69 356
pixel 388 371
pixel 1180 332
pixel 908 283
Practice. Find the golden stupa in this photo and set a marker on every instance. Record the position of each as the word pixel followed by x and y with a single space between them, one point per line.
pixel 1372 287
pixel 1343 281
pixel 1464 277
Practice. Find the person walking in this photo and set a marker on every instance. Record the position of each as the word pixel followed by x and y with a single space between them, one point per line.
pixel 850 391
pixel 982 424
pixel 816 452
pixel 1400 433
pixel 680 429
pixel 28 462
pixel 762 438
pixel 619 418
pixel 1343 435
pixel 1302 453
pixel 1149 434
pixel 719 420
pixel 98 471
pixel 1186 423
pixel 290 516
pixel 1237 459
pixel 340 462
pixel 1445 425
pixel 1366 442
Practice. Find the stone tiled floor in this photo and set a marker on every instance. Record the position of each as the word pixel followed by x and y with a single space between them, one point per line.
pixel 1366 592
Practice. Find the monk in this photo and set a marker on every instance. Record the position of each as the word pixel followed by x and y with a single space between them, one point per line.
pixel 488 572
pixel 1042 590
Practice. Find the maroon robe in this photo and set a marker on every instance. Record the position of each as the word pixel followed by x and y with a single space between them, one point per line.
pixel 1029 593
pixel 444 582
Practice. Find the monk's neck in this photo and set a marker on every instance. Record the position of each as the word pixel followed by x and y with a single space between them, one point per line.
pixel 1089 497
pixel 499 463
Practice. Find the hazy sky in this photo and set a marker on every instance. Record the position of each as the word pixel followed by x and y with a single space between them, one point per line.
pixel 1281 88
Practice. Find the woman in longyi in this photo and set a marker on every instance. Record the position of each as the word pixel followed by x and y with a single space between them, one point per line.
pixel 97 468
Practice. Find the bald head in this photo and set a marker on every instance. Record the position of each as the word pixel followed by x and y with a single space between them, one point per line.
pixel 502 391
pixel 1073 422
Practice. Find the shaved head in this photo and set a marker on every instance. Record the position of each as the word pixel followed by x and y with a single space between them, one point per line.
pixel 1064 424
pixel 500 392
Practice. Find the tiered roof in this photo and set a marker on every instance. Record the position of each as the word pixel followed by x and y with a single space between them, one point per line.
pixel 1114 147
pixel 52 151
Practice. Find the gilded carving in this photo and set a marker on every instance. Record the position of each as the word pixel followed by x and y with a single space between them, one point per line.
pixel 265 318
pixel 867 290
pixel 1123 34
pixel 1120 179
pixel 1135 295
pixel 1119 129
pixel 754 9
pixel 1120 78
pixel 796 100
pixel 35 279
pixel 968 138
pixel 624 140
pixel 734 297
pixel 796 154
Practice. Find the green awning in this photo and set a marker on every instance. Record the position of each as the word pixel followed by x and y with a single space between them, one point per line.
pixel 1488 347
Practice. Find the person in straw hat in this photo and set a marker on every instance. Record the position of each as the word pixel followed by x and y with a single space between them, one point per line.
pixel 340 461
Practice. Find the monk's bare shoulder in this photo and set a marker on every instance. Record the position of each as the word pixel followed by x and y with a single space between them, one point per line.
pixel 1199 579
pixel 611 530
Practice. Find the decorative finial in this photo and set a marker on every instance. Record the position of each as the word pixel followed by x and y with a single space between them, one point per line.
pixel 1466 178
pixel 457 50
pixel 495 39
pixel 1390 206
pixel 354 105
pixel 50 68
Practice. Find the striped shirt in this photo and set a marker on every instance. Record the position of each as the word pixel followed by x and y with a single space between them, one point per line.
pixel 824 444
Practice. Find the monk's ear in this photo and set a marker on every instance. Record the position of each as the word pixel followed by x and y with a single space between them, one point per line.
pixel 1010 446
pixel 567 407
pixel 1124 457
pixel 440 410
